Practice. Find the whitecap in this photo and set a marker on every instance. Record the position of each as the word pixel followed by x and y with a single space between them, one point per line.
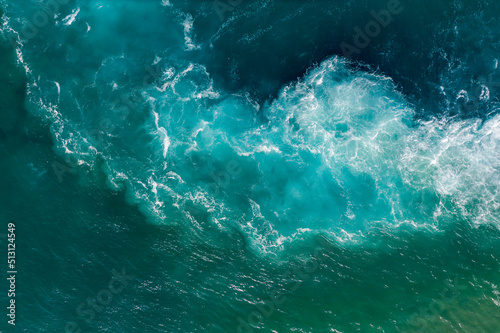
pixel 68 20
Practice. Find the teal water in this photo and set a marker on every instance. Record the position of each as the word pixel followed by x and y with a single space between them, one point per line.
pixel 201 166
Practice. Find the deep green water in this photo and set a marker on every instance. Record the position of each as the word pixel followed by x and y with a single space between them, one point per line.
pixel 201 166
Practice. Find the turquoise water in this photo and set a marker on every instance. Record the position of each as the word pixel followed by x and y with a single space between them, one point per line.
pixel 237 166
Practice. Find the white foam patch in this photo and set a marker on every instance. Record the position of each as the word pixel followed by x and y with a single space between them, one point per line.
pixel 190 45
pixel 68 20
pixel 162 132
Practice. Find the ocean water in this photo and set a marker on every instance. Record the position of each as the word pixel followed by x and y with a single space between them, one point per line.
pixel 251 166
